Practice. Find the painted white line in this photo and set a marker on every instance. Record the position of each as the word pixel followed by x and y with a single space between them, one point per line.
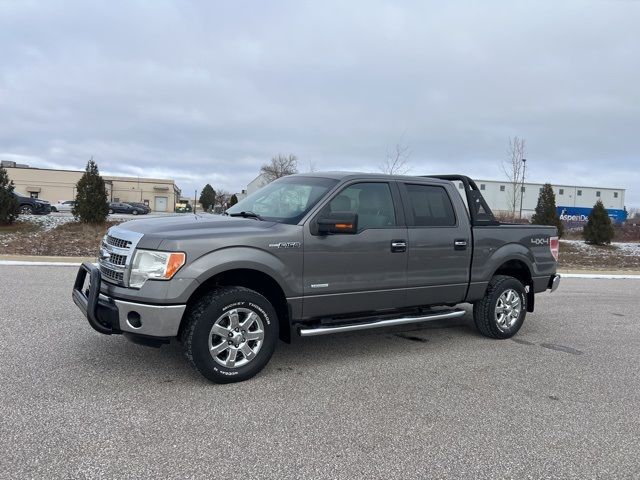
pixel 39 264
pixel 604 276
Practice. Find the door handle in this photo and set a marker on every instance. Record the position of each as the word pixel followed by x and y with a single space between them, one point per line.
pixel 398 246
pixel 460 244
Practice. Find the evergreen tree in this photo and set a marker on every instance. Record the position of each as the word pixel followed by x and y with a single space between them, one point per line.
pixel 599 229
pixel 233 200
pixel 91 197
pixel 207 197
pixel 546 211
pixel 8 203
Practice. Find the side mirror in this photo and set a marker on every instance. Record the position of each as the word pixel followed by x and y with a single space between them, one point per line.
pixel 338 222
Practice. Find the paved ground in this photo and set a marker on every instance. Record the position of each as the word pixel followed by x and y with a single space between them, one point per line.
pixel 562 400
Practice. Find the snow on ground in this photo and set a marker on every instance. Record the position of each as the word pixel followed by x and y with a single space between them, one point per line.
pixel 630 249
pixel 46 222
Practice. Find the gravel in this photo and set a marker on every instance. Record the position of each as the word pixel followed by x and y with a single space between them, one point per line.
pixel 560 400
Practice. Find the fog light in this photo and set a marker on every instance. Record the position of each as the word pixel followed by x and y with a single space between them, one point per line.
pixel 134 320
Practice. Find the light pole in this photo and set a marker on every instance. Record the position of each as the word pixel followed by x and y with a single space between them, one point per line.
pixel 524 170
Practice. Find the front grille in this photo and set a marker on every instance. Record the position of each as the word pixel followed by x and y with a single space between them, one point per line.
pixel 116 259
pixel 117 242
pixel 111 275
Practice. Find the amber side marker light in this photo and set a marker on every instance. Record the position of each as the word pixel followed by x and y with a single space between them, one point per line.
pixel 176 261
pixel 344 226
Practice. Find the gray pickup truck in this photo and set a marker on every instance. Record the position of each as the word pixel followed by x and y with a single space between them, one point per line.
pixel 310 255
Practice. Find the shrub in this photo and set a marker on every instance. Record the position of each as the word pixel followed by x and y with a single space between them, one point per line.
pixel 546 211
pixel 599 229
pixel 91 197
pixel 8 204
pixel 207 197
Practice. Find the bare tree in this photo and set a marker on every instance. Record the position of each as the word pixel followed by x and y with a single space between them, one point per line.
pixel 221 200
pixel 513 168
pixel 280 166
pixel 397 160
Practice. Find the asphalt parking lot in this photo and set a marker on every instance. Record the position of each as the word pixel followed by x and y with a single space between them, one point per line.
pixel 561 400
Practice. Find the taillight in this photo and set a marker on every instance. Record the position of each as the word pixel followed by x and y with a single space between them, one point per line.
pixel 554 245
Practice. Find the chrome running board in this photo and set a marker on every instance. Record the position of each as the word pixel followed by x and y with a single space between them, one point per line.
pixel 352 327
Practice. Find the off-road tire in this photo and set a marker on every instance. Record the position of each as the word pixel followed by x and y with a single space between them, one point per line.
pixel 201 317
pixel 484 311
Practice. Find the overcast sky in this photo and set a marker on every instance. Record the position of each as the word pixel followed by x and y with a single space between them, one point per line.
pixel 205 92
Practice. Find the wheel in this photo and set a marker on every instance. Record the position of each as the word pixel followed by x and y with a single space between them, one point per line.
pixel 110 211
pixel 135 212
pixel 230 334
pixel 26 210
pixel 501 312
pixel 54 209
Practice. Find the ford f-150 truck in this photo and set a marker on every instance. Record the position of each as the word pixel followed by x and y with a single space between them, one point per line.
pixel 315 254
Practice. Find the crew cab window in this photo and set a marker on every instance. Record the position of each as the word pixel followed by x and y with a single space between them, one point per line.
pixel 371 201
pixel 429 206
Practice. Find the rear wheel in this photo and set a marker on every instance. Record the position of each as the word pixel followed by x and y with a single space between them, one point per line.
pixel 502 311
pixel 135 212
pixel 230 334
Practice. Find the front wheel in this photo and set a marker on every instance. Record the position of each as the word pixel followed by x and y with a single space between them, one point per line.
pixel 501 312
pixel 230 334
pixel 135 212
pixel 26 210
pixel 110 211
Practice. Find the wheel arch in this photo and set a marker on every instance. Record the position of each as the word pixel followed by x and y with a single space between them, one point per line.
pixel 252 279
pixel 519 269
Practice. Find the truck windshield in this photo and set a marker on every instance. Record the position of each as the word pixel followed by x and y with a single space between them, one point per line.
pixel 285 200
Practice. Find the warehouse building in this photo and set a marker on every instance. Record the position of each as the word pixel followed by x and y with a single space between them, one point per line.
pixel 573 202
pixel 161 195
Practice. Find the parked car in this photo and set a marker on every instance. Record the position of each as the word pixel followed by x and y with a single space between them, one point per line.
pixel 120 207
pixel 65 206
pixel 315 254
pixel 142 206
pixel 32 206
pixel 183 207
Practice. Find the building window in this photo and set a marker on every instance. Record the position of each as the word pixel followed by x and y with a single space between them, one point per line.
pixel 523 189
pixel 116 200
pixel 482 186
pixel 33 194
pixel 502 188
pixel 579 193
pixel 615 194
pixel 597 193
pixel 561 191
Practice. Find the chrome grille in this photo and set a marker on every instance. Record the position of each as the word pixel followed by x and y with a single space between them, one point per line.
pixel 116 251
pixel 117 242
pixel 112 275
pixel 116 259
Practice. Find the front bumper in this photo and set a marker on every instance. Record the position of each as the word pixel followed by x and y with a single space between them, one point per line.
pixel 554 283
pixel 109 315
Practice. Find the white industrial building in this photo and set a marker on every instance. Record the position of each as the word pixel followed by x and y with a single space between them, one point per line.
pixel 499 196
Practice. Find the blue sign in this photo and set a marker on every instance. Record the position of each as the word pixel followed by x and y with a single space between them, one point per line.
pixel 578 216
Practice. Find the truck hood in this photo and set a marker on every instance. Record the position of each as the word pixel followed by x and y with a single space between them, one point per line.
pixel 188 226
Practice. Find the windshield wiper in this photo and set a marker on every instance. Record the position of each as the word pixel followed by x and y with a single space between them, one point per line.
pixel 245 215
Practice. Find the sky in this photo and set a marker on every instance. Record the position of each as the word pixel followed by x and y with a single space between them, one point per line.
pixel 207 92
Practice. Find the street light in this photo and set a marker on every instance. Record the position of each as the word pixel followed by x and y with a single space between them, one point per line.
pixel 524 170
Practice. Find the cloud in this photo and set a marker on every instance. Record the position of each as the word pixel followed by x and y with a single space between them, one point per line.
pixel 207 92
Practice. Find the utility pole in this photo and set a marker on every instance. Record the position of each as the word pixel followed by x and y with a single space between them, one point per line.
pixel 195 201
pixel 524 170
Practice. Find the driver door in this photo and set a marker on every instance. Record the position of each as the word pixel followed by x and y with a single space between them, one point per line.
pixel 363 272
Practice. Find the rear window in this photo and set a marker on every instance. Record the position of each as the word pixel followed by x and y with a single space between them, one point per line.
pixel 429 206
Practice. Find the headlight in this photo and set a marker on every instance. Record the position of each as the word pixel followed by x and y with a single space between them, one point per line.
pixel 153 265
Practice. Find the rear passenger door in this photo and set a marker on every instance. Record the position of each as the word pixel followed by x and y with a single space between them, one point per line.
pixel 361 272
pixel 439 246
